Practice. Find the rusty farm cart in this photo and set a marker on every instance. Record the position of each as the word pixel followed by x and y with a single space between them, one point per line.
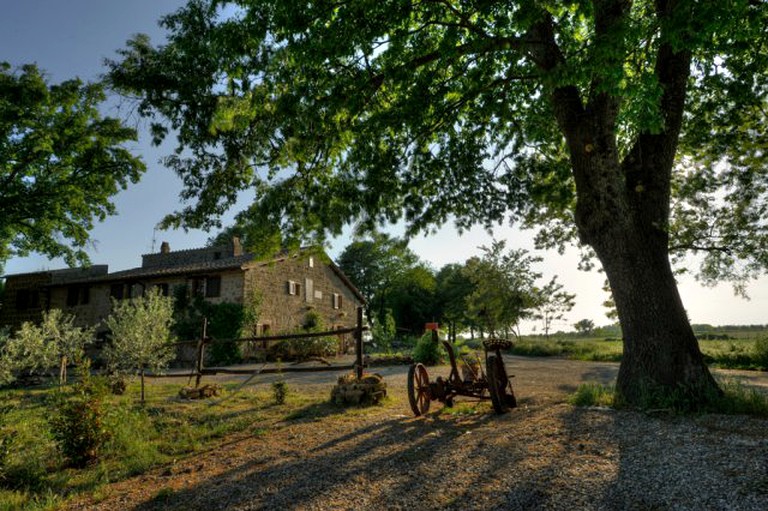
pixel 471 381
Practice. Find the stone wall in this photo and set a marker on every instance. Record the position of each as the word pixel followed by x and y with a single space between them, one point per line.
pixel 282 311
pixel 166 258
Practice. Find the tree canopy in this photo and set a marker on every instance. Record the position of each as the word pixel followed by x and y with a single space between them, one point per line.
pixel 374 265
pixel 60 163
pixel 634 128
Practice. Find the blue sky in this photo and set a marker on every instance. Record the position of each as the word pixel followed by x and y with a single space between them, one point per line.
pixel 69 38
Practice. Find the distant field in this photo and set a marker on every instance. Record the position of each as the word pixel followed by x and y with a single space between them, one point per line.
pixel 736 349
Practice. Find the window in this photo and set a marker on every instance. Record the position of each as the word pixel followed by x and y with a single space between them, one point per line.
pixel 78 295
pixel 309 287
pixel 117 291
pixel 27 299
pixel 163 287
pixel 337 301
pixel 311 262
pixel 198 287
pixel 212 287
pixel 294 288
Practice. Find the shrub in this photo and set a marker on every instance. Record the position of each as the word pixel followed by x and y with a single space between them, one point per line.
pixel 760 350
pixel 428 352
pixel 224 322
pixel 78 422
pixel 303 348
pixel 279 391
pixel 384 331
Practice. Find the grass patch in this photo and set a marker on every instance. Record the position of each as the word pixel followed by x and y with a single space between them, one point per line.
pixel 593 394
pixel 595 350
pixel 736 399
pixel 35 475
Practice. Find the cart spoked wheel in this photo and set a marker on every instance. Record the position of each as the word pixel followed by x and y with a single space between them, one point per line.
pixel 418 389
pixel 502 395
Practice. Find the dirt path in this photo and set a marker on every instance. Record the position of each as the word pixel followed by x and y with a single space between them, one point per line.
pixel 543 455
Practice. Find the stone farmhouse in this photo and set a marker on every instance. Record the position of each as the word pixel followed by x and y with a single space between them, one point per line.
pixel 290 285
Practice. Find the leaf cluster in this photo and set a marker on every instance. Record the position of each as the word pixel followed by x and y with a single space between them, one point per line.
pixel 60 163
pixel 140 334
pixel 38 348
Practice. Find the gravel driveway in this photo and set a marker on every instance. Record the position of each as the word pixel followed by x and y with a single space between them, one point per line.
pixel 545 454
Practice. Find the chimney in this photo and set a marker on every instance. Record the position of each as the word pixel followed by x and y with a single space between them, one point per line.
pixel 165 247
pixel 237 247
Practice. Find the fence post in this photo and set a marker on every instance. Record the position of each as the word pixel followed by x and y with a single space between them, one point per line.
pixel 201 353
pixel 359 344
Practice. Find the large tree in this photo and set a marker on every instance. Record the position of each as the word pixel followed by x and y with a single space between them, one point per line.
pixel 586 118
pixel 60 163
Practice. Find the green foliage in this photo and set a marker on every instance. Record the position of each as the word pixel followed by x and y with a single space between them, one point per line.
pixel 384 331
pixel 140 335
pixel 7 436
pixel 226 321
pixel 593 394
pixel 429 352
pixel 279 392
pixel 373 265
pixel 453 288
pixel 551 304
pixel 78 424
pixel 412 298
pixel 761 352
pixel 503 288
pixel 731 398
pixel 302 348
pixel 735 399
pixel 60 163
pixel 584 327
pixel 55 342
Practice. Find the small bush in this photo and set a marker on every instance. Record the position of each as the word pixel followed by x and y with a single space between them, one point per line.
pixel 78 424
pixel 428 352
pixel 279 391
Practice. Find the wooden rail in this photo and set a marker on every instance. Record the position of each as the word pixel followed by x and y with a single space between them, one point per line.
pixel 199 370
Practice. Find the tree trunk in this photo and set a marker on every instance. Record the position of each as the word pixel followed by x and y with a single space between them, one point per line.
pixel 622 208
pixel 662 363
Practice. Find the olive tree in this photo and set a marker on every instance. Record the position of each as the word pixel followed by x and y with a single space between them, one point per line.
pixel 140 335
pixel 53 343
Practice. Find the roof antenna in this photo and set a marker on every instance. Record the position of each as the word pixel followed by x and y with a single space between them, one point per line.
pixel 154 240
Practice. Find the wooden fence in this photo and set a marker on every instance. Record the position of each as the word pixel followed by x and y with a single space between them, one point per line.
pixel 199 369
